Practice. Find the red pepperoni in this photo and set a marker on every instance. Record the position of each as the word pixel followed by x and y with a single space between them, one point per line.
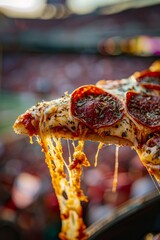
pixel 27 121
pixel 95 107
pixel 145 109
pixel 154 141
pixel 149 80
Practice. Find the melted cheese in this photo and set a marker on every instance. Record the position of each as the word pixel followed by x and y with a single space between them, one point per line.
pixel 97 153
pixel 150 158
pixel 67 185
pixel 115 177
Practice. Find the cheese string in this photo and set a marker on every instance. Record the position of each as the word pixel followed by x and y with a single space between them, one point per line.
pixel 97 153
pixel 70 205
pixel 115 177
pixel 69 152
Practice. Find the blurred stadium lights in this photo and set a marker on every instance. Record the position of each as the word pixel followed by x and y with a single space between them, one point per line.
pixel 107 6
pixel 84 7
pixel 138 46
pixel 44 9
pixel 124 5
pixel 55 11
pixel 26 188
pixel 22 8
pixel 49 9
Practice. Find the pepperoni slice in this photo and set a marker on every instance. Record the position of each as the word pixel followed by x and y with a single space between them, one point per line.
pixel 27 122
pixel 145 109
pixel 149 80
pixel 95 107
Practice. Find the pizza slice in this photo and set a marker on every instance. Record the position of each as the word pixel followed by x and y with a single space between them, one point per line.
pixel 122 112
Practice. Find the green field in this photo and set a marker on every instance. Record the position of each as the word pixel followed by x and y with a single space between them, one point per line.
pixel 12 105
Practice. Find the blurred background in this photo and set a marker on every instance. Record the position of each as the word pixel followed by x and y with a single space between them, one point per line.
pixel 48 47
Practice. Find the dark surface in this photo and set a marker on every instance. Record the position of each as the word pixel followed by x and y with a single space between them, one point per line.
pixel 131 222
pixel 9 231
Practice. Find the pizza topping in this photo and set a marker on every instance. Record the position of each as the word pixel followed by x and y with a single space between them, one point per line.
pixel 124 134
pixel 144 109
pixel 117 87
pixel 154 141
pixel 150 80
pixel 28 123
pixel 95 107
pixel 153 147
